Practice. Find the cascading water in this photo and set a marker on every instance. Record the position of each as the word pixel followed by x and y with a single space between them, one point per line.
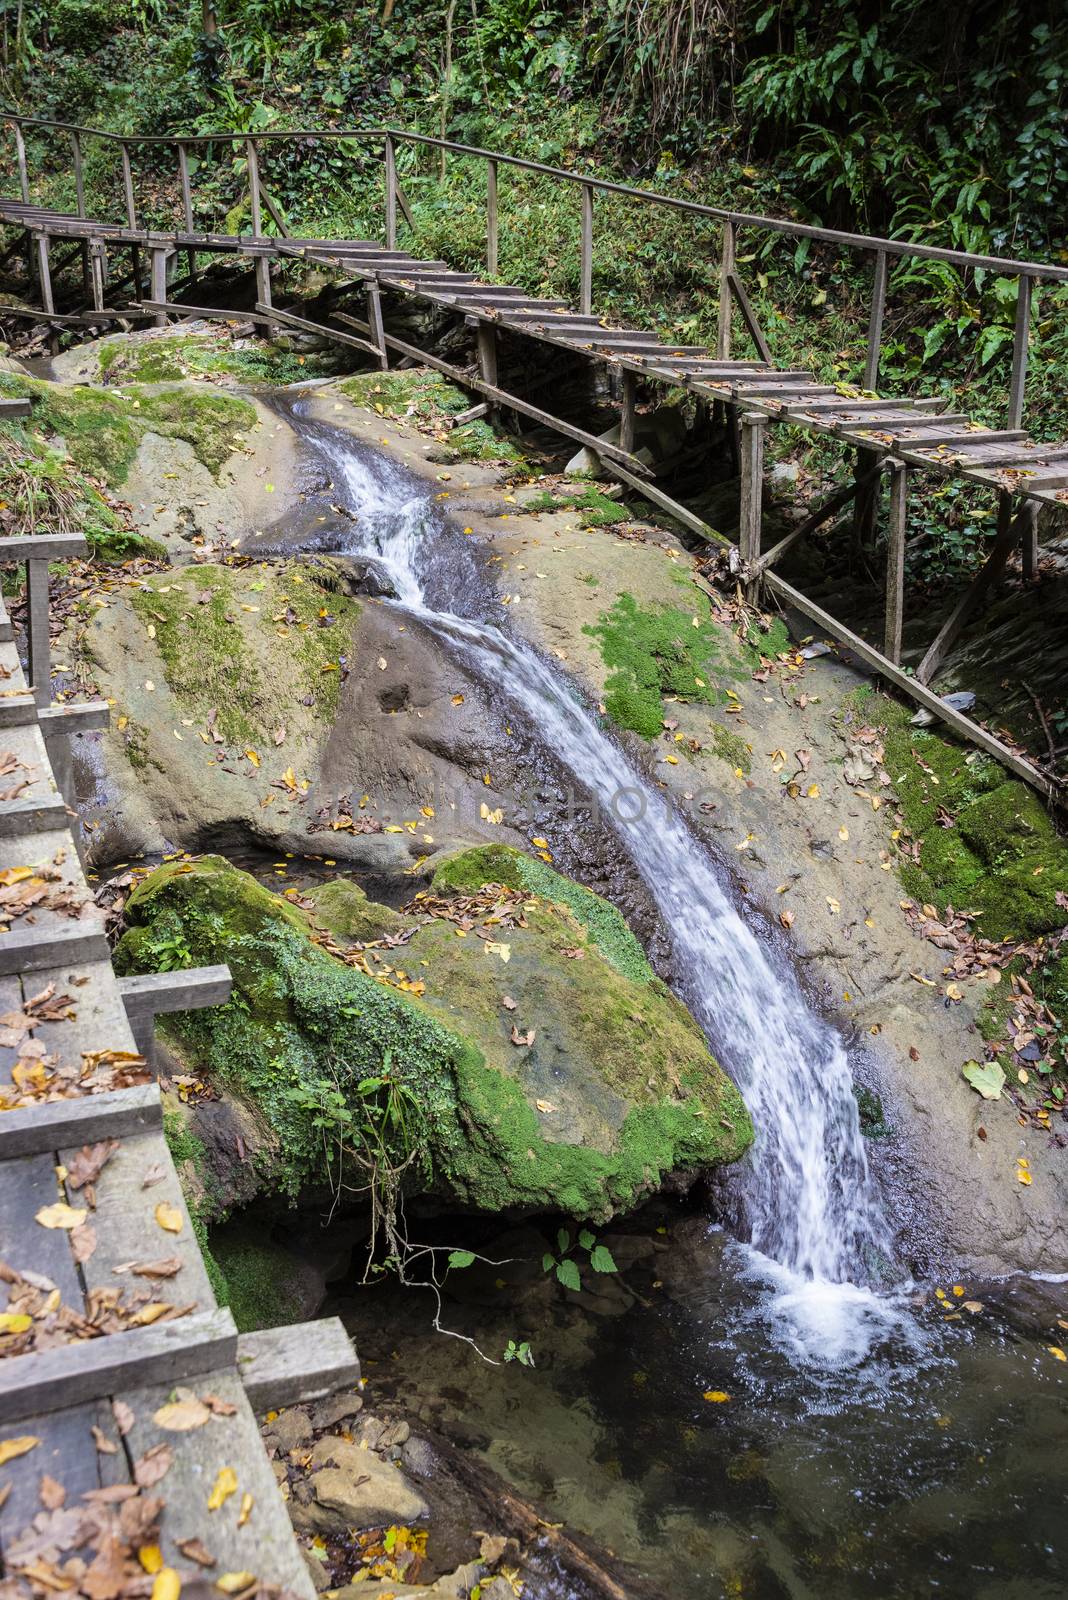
pixel 809 1208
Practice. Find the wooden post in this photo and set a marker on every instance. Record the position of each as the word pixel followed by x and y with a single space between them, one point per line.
pixel 98 271
pixel 127 188
pixel 255 205
pixel 44 273
pixel 875 325
pixel 486 336
pixel 586 265
pixel 866 501
pixel 491 219
pixel 187 207
pixel 726 268
pixel 895 561
pixel 263 289
pixel 24 172
pixel 1029 543
pixel 1019 350
pixel 79 184
pixel 39 648
pixel 158 282
pixel 626 415
pixel 377 326
pixel 391 195
pixel 752 492
pixel 1009 532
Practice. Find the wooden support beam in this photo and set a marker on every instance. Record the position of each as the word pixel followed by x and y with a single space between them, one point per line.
pixel 682 514
pixel 626 412
pixel 63 1124
pixel 377 325
pixel 1010 530
pixel 42 546
pixel 726 268
pixel 823 512
pixel 86 717
pixel 895 562
pixel 865 502
pixel 14 408
pixel 19 817
pixel 391 194
pixel 128 188
pixel 153 993
pixel 910 686
pixel 753 425
pixel 95 1369
pixel 38 642
pixel 586 261
pixel 292 321
pixel 20 156
pixel 175 308
pixel 472 414
pixel 875 323
pixel 301 1361
pixel 158 283
pixel 255 202
pixel 44 272
pixel 749 316
pixel 491 219
pixel 1021 336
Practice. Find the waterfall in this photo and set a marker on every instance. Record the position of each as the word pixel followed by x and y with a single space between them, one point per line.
pixel 810 1211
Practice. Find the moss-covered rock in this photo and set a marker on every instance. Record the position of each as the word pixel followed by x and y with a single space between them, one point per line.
pixel 343 908
pixel 615 1090
pixel 102 430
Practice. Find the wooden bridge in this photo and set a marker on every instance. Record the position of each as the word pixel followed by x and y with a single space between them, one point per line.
pixel 105 1303
pixel 896 436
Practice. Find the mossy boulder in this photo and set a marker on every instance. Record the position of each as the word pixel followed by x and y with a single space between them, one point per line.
pixel 614 1091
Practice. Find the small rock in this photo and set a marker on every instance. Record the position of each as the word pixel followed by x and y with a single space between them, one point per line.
pixel 334 1409
pixel 396 1433
pixel 316 1571
pixel 418 1457
pixel 290 1428
pixel 359 1490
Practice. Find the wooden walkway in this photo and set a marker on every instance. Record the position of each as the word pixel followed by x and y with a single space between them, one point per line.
pixel 105 1304
pixel 882 436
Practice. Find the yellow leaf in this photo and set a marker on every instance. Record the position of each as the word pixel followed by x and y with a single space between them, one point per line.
pixel 234 1582
pixel 169 1217
pixel 1056 1351
pixel 10 1448
pixel 542 844
pixel 973 1306
pixel 168 1585
pixel 178 1416
pixel 716 1396
pixel 834 904
pixel 151 1557
pixel 60 1216
pixel 14 1322
pixel 813 791
pixel 225 1486
pixel 253 757
pixel 246 1510
pixel 843 832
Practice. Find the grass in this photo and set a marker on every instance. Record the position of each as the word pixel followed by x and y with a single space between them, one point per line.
pixel 42 491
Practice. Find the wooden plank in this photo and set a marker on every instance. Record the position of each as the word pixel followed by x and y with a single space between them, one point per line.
pixel 875 323
pixel 302 1361
pixel 910 686
pixel 153 993
pixel 66 1451
pixel 18 711
pixel 586 250
pixel 20 817
pixel 14 408
pixel 42 547
pixel 749 316
pixel 491 218
pixel 28 950
pixel 1021 335
pixel 288 319
pixel 51 1124
pixel 752 488
pixel 38 631
pixel 176 308
pixel 91 1369
pixel 937 435
pixel 1008 537
pixel 83 717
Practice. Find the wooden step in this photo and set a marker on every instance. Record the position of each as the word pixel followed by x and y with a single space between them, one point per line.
pixel 84 1119
pixel 304 1361
pixel 19 817
pixel 25 949
pixel 93 1369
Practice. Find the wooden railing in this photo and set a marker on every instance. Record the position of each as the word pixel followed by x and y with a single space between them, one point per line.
pixel 732 294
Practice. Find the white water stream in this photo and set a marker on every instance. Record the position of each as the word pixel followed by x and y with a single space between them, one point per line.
pixel 810 1209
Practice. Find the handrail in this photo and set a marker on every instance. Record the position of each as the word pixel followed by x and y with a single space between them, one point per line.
pixel 1009 265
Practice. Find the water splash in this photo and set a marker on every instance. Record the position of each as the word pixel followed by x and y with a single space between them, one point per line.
pixel 809 1208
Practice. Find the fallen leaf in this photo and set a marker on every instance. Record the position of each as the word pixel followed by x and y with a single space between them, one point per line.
pixel 106 1446
pixel 52 1493
pixel 1057 1353
pixel 10 1448
pixel 225 1486
pixel 986 1078
pixel 60 1215
pixel 246 1510
pixel 169 1217
pixel 14 1322
pixel 150 1557
pixel 194 1550
pixel 234 1582
pixel 83 1242
pixel 716 1396
pixel 153 1465
pixel 168 1585
pixel 124 1416
pixel 179 1416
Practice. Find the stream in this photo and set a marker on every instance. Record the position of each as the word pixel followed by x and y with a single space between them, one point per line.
pixel 861 1437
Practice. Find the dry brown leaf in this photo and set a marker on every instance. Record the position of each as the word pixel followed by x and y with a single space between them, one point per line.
pixel 179 1416
pixel 221 1408
pixel 153 1465
pixel 124 1416
pixel 52 1493
pixel 60 1215
pixel 106 1446
pixel 83 1241
pixel 195 1550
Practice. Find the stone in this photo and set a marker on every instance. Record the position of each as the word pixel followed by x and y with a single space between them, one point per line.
pixel 289 1428
pixel 316 1570
pixel 418 1457
pixel 354 1488
pixel 334 1409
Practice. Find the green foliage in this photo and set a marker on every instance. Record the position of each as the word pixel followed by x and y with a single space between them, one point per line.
pixel 659 651
pixel 519 1352
pixel 564 1263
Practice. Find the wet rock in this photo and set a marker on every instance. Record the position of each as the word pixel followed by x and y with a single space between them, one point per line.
pixel 354 1488
pixel 418 1457
pixel 334 1409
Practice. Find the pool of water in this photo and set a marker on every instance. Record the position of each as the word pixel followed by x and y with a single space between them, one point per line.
pixel 671 1418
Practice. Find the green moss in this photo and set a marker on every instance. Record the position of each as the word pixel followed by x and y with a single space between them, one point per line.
pixel 599 511
pixel 469 870
pixel 254 1274
pixel 197 616
pixel 164 360
pixel 102 430
pixel 299 1017
pixel 657 651
pixel 51 494
pixel 986 844
pixel 429 398
pixel 343 908
pixel 183 1143
pixel 731 748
